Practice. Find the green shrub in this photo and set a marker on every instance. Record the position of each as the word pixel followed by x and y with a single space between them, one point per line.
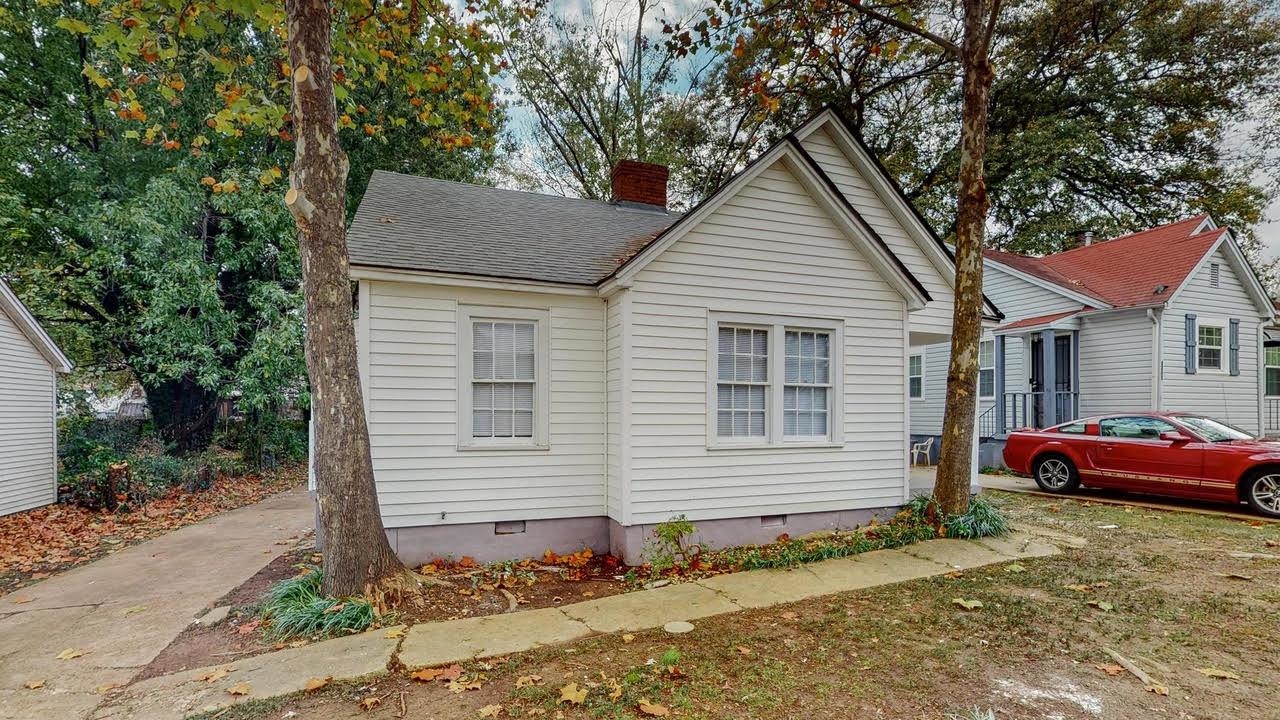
pixel 670 548
pixel 265 440
pixel 983 518
pixel 295 608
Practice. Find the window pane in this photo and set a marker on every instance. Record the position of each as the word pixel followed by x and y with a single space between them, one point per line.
pixel 1210 335
pixel 1273 381
pixel 789 398
pixel 986 383
pixel 524 396
pixel 482 423
pixel 819 423
pixel 792 373
pixel 820 398
pixel 524 337
pixel 987 354
pixel 724 397
pixel 504 363
pixel 724 424
pixel 820 372
pixel 502 423
pixel 482 396
pixel 1273 356
pixel 482 365
pixel 524 366
pixel 806 399
pixel 804 423
pixel 1210 357
pixel 793 344
pixel 743 341
pixel 915 364
pixel 757 398
pixel 757 424
pixel 789 423
pixel 740 424
pixel 822 346
pixel 524 423
pixel 917 388
pixel 725 361
pixel 482 336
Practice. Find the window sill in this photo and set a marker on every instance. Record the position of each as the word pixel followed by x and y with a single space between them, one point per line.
pixel 798 445
pixel 505 447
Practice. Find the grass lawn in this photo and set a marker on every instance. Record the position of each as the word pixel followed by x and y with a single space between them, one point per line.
pixel 1161 589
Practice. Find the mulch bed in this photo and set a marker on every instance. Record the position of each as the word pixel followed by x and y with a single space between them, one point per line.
pixel 38 543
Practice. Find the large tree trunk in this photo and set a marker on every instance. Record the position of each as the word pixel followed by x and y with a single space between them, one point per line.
pixel 185 414
pixel 955 463
pixel 357 556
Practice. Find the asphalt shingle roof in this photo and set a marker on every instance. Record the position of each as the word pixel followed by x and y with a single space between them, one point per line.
pixel 418 223
pixel 1126 271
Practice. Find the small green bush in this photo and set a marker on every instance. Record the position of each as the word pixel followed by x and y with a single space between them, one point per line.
pixel 670 548
pixel 295 608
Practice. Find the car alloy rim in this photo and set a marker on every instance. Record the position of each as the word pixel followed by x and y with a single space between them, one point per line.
pixel 1054 473
pixel 1266 492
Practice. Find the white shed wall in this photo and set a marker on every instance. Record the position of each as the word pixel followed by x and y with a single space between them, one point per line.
pixel 28 463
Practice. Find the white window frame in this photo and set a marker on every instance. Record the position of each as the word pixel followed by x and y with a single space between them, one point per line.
pixel 777 326
pixel 1223 348
pixel 1265 367
pixel 910 377
pixel 541 319
pixel 991 367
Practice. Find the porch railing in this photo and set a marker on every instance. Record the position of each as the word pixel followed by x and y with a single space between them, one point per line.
pixel 1027 409
pixel 1271 415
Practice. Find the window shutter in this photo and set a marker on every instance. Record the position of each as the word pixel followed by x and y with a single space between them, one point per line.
pixel 1235 347
pixel 1191 344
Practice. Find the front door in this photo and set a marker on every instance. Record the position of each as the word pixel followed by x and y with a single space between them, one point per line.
pixel 1131 454
pixel 1061 407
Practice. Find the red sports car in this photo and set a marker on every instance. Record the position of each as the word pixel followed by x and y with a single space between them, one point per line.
pixel 1179 454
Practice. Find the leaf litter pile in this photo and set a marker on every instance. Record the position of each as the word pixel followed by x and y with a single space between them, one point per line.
pixel 38 543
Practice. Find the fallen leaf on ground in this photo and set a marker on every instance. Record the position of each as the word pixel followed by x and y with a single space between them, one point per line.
pixel 788 616
pixel 654 709
pixel 316 683
pixel 743 650
pixel 70 654
pixel 249 627
pixel 21 599
pixel 216 674
pixel 34 685
pixel 463 685
pixel 335 608
pixel 1216 673
pixel 528 680
pixel 1079 588
pixel 628 637
pixel 370 703
pixel 489 711
pixel 1014 568
pixel 1157 688
pixel 967 604
pixel 239 689
pixel 394 633
pixel 615 690
pixel 572 694
pixel 1111 669
pixel 1102 605
pixel 108 687
pixel 427 674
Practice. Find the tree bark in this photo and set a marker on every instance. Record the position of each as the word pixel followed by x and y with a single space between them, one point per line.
pixel 955 462
pixel 357 557
pixel 185 414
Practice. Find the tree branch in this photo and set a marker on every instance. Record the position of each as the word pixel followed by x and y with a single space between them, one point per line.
pixel 945 44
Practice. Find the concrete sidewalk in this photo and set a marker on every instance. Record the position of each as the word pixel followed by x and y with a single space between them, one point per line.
pixel 287 671
pixel 123 609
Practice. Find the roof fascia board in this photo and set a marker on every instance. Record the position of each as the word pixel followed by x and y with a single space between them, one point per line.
pixel 1050 286
pixel 1240 263
pixel 30 327
pixel 903 211
pixel 1071 322
pixel 427 277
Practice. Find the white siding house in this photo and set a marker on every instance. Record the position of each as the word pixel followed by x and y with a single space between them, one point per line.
pixel 1171 318
pixel 544 372
pixel 29 367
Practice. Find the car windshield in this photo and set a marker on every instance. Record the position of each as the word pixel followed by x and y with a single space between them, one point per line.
pixel 1212 430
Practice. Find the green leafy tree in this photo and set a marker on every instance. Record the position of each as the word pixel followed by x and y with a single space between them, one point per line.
pixel 432 68
pixel 142 220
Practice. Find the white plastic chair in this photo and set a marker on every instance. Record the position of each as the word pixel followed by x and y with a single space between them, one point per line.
pixel 919 449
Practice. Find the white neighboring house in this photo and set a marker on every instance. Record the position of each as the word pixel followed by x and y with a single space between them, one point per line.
pixel 545 372
pixel 29 367
pixel 1170 318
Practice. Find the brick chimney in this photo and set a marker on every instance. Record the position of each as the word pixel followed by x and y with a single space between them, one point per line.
pixel 638 182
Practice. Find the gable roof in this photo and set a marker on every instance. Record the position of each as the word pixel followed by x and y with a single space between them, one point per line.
pixel 10 305
pixel 1139 269
pixel 418 223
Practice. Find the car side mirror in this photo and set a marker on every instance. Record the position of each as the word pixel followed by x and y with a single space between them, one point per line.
pixel 1174 436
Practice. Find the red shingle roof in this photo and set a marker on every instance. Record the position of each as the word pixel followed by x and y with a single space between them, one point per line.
pixel 1126 271
pixel 1040 319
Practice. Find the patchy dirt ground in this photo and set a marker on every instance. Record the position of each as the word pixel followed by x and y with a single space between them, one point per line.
pixel 1189 600
pixel 36 544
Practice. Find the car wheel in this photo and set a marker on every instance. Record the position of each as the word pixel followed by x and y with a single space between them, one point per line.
pixel 1262 491
pixel 1056 474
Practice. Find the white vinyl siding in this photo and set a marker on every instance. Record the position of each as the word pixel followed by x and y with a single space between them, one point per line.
pixel 1230 398
pixel 1017 299
pixel 411 388
pixel 615 382
pixel 1115 362
pixel 27 440
pixel 770 250
pixel 936 318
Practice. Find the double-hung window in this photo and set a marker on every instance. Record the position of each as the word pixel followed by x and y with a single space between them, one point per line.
pixel 502 369
pixel 915 376
pixel 987 368
pixel 1209 352
pixel 1272 359
pixel 773 381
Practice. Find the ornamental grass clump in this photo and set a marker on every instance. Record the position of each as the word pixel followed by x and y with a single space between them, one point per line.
pixel 296 608
pixel 983 518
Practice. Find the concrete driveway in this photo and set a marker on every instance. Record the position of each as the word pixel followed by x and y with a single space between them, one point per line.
pixel 122 610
